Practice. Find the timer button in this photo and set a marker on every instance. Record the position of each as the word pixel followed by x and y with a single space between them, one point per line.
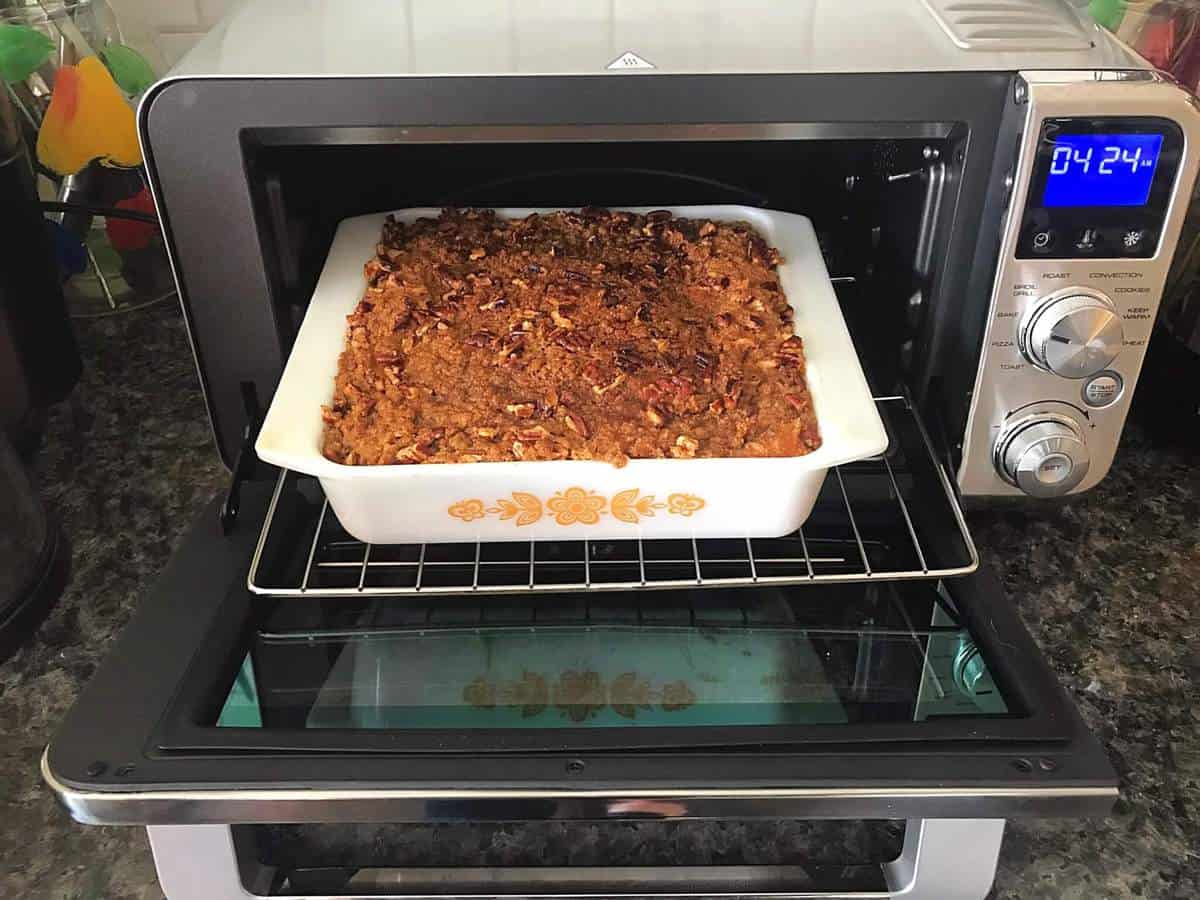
pixel 1042 240
pixel 1103 389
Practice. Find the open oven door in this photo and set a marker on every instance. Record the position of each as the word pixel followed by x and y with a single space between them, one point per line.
pixel 282 681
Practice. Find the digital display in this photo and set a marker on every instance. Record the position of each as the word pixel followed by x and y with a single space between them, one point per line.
pixel 1102 169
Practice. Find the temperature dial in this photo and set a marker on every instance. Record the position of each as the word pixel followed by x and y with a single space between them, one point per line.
pixel 1073 333
pixel 1042 454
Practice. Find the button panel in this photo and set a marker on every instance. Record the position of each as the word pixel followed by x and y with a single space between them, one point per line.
pixel 1077 287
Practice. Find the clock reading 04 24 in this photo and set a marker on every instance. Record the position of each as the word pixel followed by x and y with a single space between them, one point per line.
pixel 1102 169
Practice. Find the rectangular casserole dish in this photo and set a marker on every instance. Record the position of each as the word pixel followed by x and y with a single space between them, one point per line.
pixel 576 499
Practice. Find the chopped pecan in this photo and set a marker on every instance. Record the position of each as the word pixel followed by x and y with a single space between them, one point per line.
pixel 569 340
pixel 628 360
pixel 795 401
pixel 792 347
pixel 531 434
pixel 655 415
pixel 733 393
pixel 685 447
pixel 488 433
pixel 495 303
pixel 643 313
pixel 575 422
pixel 704 361
pixel 518 449
pixel 724 320
pixel 477 253
pixel 707 228
pixel 601 389
pixel 481 338
pixel 754 323
pixel 559 319
pixel 523 410
pixel 411 454
pixel 386 357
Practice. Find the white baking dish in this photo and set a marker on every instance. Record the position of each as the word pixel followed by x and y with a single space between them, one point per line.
pixel 575 499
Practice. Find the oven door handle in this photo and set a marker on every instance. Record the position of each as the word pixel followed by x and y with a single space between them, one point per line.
pixel 946 859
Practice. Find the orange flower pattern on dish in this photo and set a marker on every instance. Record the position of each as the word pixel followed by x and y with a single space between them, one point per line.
pixel 525 508
pixel 468 510
pixel 684 504
pixel 628 507
pixel 576 505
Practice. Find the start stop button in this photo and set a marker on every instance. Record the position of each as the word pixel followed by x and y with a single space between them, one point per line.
pixel 1102 389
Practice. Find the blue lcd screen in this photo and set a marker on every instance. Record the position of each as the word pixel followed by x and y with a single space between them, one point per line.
pixel 1102 169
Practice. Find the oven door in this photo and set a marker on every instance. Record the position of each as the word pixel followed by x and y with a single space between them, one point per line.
pixel 860 667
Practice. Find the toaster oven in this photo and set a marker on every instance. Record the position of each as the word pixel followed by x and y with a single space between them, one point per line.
pixel 997 194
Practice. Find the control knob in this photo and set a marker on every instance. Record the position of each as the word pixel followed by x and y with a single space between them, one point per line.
pixel 1043 454
pixel 1074 333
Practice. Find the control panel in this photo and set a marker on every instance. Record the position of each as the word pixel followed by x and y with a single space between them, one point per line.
pixel 1101 185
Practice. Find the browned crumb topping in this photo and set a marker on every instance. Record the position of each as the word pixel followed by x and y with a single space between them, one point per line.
pixel 594 335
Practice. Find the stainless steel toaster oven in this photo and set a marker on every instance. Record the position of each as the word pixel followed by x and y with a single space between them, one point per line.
pixel 997 188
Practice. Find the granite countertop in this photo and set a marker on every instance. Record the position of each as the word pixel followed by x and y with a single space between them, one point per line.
pixel 1108 585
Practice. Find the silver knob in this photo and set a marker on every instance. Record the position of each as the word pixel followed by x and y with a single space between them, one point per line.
pixel 1042 454
pixel 1073 333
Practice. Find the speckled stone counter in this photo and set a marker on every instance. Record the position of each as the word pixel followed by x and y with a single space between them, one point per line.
pixel 1109 586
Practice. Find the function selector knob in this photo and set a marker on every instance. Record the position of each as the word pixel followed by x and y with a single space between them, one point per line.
pixel 1074 333
pixel 1042 454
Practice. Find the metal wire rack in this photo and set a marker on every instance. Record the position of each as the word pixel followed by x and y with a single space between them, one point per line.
pixel 891 517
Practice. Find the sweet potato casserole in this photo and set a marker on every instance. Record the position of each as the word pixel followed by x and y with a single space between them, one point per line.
pixel 594 335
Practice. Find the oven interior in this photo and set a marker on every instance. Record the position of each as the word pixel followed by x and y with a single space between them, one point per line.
pixel 850 629
pixel 878 205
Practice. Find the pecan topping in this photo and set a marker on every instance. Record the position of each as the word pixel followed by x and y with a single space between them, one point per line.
pixel 481 338
pixel 521 410
pixel 575 422
pixel 628 360
pixel 495 303
pixel 680 324
pixel 685 447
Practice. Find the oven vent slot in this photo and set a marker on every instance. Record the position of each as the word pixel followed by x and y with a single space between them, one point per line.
pixel 1016 25
pixel 892 517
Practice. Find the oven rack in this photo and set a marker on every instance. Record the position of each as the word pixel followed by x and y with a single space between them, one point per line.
pixel 889 517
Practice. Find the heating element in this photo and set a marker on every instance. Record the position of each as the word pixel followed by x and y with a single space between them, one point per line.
pixel 890 517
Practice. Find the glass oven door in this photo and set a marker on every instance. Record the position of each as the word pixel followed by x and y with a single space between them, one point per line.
pixel 855 665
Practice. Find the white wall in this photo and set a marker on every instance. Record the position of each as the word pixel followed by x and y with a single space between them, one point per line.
pixel 163 30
